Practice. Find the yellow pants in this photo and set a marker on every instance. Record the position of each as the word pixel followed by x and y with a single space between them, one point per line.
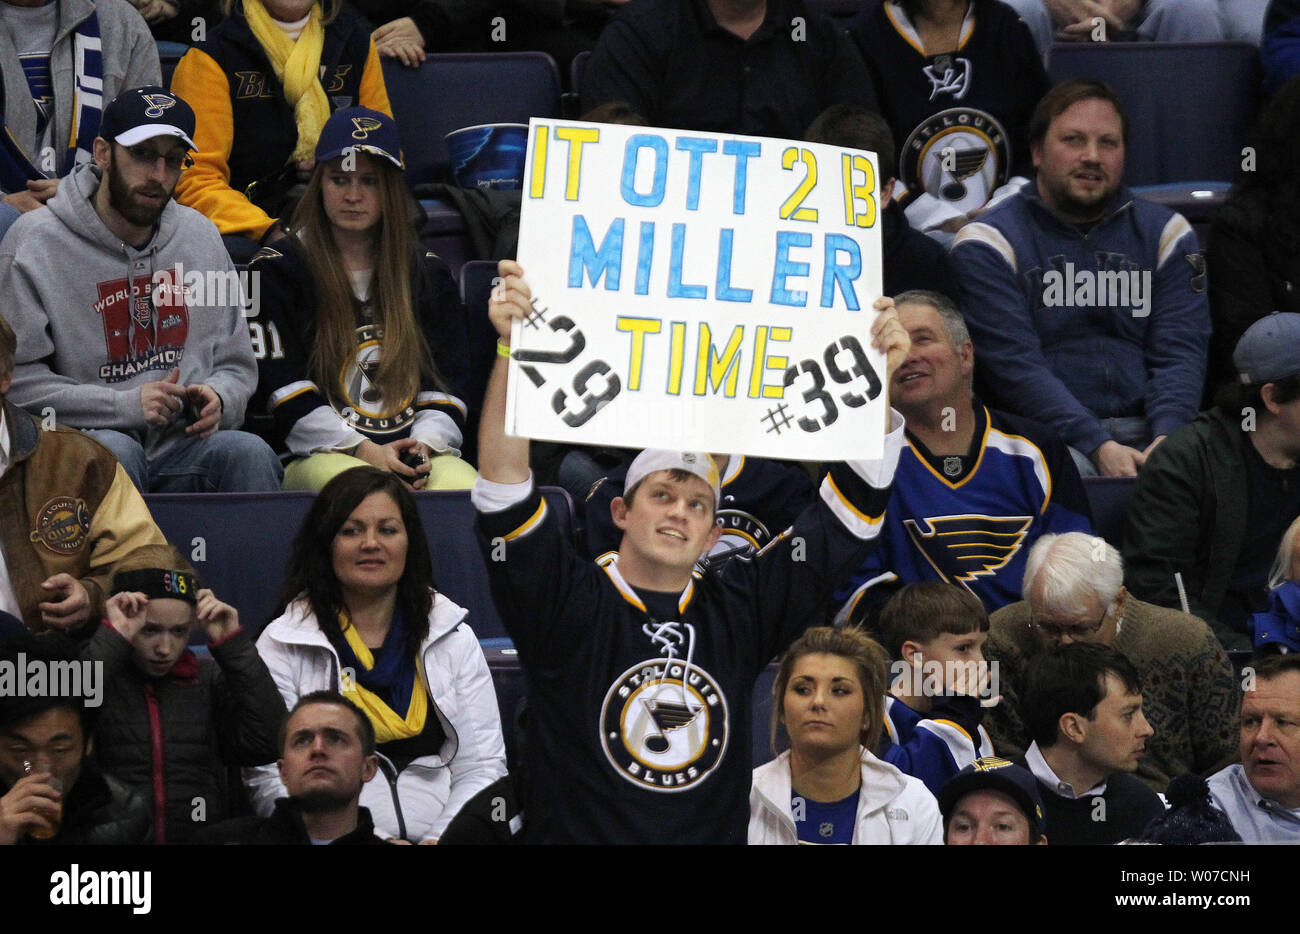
pixel 312 473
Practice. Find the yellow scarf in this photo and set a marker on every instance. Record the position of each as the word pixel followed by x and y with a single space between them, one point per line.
pixel 388 725
pixel 297 65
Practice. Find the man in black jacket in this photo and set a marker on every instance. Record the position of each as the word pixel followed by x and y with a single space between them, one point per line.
pixel 53 793
pixel 328 754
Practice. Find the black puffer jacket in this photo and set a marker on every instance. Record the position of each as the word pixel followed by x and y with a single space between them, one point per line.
pixel 100 810
pixel 1253 257
pixel 173 738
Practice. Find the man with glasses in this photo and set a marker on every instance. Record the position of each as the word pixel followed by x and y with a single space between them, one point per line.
pixel 129 315
pixel 1074 592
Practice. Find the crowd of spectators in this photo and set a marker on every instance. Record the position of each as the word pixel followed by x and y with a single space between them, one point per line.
pixel 961 660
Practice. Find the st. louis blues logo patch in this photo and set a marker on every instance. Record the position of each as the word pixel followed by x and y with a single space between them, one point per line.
pixel 664 728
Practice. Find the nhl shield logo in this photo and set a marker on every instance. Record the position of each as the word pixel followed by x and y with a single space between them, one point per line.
pixel 662 728
pixel 62 525
pixel 157 104
pixel 364 127
pixel 951 466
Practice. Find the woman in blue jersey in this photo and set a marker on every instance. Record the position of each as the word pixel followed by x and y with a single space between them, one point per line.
pixel 363 334
pixel 828 788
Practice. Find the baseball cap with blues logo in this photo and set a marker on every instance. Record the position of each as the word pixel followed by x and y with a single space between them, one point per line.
pixel 359 129
pixel 143 113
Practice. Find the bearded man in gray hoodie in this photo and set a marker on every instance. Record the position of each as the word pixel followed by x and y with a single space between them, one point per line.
pixel 129 315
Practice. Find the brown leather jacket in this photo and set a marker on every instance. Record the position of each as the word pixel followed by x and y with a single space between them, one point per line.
pixel 68 506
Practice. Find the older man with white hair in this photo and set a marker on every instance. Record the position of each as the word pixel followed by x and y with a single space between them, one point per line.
pixel 1074 592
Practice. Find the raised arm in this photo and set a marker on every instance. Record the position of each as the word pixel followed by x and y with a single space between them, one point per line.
pixel 501 458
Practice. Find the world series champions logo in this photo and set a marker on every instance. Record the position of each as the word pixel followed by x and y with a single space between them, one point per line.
pixel 664 727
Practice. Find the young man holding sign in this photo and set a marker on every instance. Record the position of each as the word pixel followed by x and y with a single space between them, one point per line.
pixel 640 674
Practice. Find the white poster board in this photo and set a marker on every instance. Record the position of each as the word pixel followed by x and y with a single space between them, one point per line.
pixel 698 291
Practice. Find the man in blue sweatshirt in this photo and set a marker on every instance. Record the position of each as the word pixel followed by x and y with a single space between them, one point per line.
pixel 1087 305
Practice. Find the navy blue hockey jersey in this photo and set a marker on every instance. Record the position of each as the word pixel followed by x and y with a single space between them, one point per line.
pixel 934 748
pixel 961 119
pixel 971 520
pixel 640 702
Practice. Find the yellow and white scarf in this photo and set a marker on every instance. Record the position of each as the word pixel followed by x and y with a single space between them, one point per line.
pixel 297 65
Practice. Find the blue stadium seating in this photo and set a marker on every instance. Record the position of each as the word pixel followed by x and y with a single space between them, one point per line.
pixel 455 90
pixel 1190 104
pixel 444 232
pixel 239 543
pixel 169 55
pixel 1108 498
pixel 577 68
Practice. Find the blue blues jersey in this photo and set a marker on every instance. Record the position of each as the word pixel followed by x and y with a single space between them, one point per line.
pixel 934 748
pixel 970 520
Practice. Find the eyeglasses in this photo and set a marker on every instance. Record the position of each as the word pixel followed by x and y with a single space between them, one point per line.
pixel 148 158
pixel 1076 631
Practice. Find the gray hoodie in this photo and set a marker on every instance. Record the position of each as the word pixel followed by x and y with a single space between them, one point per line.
pixel 85 347
pixel 130 61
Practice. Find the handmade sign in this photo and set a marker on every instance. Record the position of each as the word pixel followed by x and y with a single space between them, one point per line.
pixel 698 291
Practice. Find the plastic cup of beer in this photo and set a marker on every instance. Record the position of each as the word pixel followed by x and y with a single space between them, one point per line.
pixel 53 815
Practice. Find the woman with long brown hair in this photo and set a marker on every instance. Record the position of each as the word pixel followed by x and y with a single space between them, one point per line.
pixel 364 347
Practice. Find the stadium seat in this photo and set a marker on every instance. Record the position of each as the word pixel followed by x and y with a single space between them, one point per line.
pixel 1108 498
pixel 239 543
pixel 444 232
pixel 577 68
pixel 169 55
pixel 455 90
pixel 1190 104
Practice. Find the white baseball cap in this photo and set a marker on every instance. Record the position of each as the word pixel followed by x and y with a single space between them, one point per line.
pixel 693 462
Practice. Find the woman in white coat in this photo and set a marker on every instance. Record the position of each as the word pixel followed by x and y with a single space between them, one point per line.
pixel 359 614
pixel 828 788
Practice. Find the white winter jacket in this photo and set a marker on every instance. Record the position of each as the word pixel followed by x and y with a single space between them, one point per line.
pixel 892 807
pixel 418 804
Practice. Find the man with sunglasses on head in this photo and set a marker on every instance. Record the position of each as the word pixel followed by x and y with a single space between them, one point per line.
pixel 129 315
pixel 1073 589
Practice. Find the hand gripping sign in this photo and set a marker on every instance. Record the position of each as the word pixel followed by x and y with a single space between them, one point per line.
pixel 698 291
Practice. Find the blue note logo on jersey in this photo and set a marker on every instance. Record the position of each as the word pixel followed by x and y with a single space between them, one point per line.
pixel 963 548
pixel 664 727
pixel 367 409
pixel 960 156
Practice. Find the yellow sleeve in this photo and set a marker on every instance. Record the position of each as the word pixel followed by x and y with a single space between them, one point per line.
pixel 373 92
pixel 205 186
pixel 123 535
